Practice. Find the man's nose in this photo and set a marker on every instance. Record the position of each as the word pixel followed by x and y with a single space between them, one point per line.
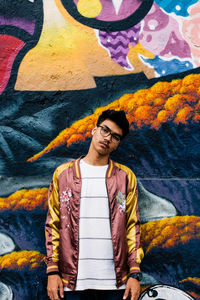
pixel 108 137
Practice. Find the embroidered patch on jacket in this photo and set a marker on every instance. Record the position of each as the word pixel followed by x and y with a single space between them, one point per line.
pixel 121 200
pixel 65 199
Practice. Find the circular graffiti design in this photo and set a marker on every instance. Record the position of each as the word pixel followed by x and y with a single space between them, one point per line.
pixel 108 15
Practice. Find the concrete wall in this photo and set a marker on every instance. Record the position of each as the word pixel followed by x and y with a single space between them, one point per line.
pixel 61 63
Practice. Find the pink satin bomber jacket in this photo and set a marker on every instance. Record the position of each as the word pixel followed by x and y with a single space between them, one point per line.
pixel 62 223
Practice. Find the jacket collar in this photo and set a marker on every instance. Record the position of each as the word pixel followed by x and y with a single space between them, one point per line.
pixel 77 171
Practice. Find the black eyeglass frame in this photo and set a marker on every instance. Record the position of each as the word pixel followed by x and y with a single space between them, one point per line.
pixel 115 138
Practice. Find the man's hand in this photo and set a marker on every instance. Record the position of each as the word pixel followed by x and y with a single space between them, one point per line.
pixel 54 285
pixel 132 289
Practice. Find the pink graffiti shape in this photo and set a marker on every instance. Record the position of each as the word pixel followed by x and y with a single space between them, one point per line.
pixel 9 48
pixel 161 35
pixel 191 29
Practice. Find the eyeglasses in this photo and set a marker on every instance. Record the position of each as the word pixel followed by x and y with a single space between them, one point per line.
pixel 105 131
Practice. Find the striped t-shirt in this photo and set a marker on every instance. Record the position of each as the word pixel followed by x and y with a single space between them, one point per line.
pixel 96 263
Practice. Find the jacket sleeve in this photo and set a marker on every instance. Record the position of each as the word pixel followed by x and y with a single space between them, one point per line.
pixel 52 227
pixel 135 252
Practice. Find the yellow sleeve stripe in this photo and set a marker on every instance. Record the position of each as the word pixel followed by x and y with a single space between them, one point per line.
pixel 52 267
pixel 65 280
pixel 124 278
pixel 111 167
pixel 63 167
pixel 135 268
pixel 77 169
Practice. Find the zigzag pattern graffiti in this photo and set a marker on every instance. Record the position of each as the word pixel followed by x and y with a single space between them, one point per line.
pixel 117 44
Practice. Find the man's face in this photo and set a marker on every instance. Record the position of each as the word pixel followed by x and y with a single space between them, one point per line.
pixel 103 144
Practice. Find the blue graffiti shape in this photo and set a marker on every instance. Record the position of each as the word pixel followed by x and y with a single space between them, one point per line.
pixel 167 67
pixel 179 7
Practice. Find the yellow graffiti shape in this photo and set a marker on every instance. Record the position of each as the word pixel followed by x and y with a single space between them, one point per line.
pixel 70 53
pixel 21 260
pixel 89 9
pixel 176 101
pixel 169 232
pixel 26 200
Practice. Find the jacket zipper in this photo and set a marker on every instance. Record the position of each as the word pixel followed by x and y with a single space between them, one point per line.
pixel 111 232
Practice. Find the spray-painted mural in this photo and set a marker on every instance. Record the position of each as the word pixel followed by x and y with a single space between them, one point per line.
pixel 61 63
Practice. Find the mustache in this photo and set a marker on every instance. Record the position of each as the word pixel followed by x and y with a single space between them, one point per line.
pixel 106 143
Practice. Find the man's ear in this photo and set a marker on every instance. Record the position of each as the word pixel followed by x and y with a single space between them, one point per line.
pixel 94 129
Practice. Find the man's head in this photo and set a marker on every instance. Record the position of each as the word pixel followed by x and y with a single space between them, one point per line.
pixel 112 126
pixel 118 117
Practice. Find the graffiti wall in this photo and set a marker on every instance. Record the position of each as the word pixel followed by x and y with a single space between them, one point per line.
pixel 61 63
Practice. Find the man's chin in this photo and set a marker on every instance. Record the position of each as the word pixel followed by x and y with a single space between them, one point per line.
pixel 103 152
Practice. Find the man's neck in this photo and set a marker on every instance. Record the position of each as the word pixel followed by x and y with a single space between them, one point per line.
pixel 96 160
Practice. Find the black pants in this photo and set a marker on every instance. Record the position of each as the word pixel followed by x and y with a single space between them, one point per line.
pixel 95 295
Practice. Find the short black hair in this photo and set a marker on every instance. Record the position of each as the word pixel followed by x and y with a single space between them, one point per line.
pixel 117 116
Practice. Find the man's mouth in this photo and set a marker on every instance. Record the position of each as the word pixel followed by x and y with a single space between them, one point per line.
pixel 104 145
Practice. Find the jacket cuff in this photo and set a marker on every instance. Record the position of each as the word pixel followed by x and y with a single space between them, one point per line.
pixel 53 273
pixel 134 268
pixel 52 267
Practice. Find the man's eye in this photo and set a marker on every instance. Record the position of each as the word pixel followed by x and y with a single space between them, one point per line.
pixel 105 130
pixel 116 137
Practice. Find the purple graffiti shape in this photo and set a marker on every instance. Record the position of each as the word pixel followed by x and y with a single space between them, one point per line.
pixel 176 47
pixel 117 44
pixel 27 25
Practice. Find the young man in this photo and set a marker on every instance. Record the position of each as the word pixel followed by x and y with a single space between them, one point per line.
pixel 93 227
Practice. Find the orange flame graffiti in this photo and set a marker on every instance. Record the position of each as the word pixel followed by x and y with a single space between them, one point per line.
pixel 176 101
pixel 194 295
pixel 25 199
pixel 21 260
pixel 169 232
pixel 194 280
pixel 192 283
